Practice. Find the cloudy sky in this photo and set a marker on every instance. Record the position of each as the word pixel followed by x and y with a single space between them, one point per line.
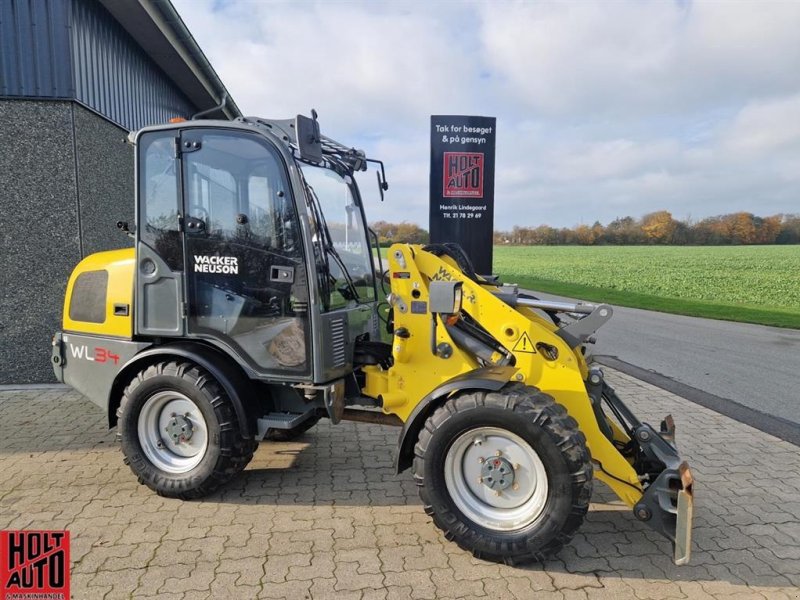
pixel 603 109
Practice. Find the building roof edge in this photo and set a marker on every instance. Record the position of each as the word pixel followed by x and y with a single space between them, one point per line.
pixel 160 31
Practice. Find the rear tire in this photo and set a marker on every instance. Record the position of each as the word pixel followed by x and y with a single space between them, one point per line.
pixel 288 435
pixel 506 475
pixel 180 432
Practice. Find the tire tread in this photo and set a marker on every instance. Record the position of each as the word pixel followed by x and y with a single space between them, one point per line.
pixel 235 453
pixel 542 410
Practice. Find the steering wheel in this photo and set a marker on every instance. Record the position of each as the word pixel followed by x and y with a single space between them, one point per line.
pixel 356 270
pixel 198 211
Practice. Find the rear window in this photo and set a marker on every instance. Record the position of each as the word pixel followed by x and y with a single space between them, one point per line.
pixel 88 302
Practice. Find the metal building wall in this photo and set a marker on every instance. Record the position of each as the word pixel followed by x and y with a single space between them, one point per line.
pixel 35 48
pixel 76 49
pixel 113 76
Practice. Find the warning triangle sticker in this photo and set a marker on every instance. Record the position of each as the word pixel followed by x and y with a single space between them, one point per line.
pixel 524 345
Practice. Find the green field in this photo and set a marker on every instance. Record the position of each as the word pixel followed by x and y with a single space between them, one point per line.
pixel 754 284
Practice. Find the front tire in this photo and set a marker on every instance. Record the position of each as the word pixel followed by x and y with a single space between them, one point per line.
pixel 179 431
pixel 506 475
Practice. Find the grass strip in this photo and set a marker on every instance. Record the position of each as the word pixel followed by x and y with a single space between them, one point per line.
pixel 776 317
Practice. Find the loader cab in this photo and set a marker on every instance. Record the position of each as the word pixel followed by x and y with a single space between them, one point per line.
pixel 246 247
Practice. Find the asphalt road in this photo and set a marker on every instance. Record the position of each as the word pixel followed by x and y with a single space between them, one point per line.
pixel 754 365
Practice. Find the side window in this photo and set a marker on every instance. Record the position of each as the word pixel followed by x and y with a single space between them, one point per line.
pixel 269 212
pixel 159 191
pixel 213 196
pixel 262 221
pixel 237 187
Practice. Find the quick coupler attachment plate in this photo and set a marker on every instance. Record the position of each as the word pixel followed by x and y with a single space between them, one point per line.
pixel 667 502
pixel 683 524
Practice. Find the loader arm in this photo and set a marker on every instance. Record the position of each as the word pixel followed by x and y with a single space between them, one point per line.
pixel 417 370
pixel 495 328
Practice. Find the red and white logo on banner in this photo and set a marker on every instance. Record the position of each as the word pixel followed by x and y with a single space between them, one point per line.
pixel 463 175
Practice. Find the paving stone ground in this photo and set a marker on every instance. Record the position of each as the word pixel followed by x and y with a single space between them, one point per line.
pixel 326 517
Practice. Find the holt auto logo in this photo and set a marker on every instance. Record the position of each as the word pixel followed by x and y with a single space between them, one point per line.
pixel 463 175
pixel 34 565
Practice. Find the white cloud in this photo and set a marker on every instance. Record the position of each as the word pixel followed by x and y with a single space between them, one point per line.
pixel 557 59
pixel 359 65
pixel 631 57
pixel 604 109
pixel 610 159
pixel 765 127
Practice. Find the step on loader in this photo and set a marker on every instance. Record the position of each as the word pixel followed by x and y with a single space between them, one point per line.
pixel 255 302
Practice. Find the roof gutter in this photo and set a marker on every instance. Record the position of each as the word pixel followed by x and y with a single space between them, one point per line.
pixel 169 22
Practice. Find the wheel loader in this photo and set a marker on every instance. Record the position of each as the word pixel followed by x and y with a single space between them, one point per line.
pixel 255 302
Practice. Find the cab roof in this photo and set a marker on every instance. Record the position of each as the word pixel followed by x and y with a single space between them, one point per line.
pixel 336 153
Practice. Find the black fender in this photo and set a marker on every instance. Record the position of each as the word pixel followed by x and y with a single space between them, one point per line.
pixel 486 378
pixel 228 373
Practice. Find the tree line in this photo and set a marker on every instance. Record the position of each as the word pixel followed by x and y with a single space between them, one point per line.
pixel 662 228
pixel 658 227
pixel 409 233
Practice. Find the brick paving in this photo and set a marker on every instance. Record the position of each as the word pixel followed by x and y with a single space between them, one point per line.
pixel 326 517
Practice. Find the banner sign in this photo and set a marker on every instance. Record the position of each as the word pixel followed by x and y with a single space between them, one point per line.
pixel 462 185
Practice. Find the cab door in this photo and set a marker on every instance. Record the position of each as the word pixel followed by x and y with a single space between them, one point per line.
pixel 245 279
pixel 159 290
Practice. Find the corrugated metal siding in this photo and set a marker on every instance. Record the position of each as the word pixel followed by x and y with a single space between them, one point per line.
pixel 114 76
pixel 34 48
pixel 76 49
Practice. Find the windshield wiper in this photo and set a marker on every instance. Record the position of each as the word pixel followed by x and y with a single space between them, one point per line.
pixel 319 248
pixel 327 242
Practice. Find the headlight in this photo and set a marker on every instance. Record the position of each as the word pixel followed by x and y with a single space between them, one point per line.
pixel 445 297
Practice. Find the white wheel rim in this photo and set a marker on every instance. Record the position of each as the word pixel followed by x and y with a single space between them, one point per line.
pixel 521 498
pixel 163 414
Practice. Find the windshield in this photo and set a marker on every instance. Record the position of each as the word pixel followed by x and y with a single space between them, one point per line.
pixel 349 259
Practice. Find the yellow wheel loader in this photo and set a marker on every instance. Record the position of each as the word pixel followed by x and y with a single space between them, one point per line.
pixel 252 305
